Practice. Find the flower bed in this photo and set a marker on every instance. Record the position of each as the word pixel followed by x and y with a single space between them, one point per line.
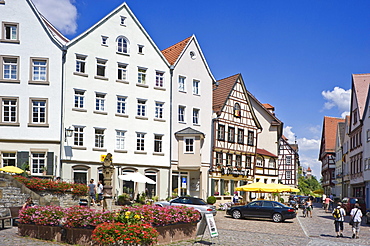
pixel 37 184
pixel 138 225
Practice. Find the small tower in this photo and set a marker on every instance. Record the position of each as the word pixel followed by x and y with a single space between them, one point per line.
pixel 309 173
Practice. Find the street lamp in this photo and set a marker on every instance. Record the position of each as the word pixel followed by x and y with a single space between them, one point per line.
pixel 68 133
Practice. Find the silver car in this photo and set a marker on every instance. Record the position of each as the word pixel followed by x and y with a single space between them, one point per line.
pixel 194 202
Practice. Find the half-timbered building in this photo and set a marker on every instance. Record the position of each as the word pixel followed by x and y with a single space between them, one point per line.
pixel 236 128
pixel 288 162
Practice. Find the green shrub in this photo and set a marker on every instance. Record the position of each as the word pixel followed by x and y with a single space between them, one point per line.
pixel 211 200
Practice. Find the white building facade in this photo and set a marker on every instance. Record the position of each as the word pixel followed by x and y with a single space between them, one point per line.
pixel 117 94
pixel 30 90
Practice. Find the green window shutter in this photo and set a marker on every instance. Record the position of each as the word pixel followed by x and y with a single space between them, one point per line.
pixel 232 187
pixel 50 163
pixel 222 185
pixel 22 157
pixel 212 187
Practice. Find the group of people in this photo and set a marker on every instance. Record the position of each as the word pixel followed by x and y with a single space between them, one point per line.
pixel 96 189
pixel 356 215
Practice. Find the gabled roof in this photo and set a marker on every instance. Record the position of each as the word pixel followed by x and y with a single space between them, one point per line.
pixel 360 85
pixel 265 153
pixel 329 132
pixel 110 15
pixel 293 147
pixel 341 131
pixel 222 90
pixel 174 53
pixel 189 131
pixel 277 121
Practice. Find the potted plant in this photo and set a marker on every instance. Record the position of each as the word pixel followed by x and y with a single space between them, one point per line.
pixel 211 200
pixel 123 199
pixel 216 193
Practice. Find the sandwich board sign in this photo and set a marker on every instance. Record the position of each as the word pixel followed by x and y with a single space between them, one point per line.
pixel 208 221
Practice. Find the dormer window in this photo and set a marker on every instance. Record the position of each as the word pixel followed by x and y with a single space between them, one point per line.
pixel 123 21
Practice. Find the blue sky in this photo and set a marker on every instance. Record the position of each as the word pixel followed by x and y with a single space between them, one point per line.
pixel 295 55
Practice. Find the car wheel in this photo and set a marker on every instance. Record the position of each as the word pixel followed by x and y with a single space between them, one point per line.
pixel 276 217
pixel 236 214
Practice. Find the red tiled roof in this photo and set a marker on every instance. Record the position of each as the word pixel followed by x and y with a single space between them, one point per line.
pixel 285 138
pixel 265 152
pixel 222 91
pixel 174 51
pixel 268 106
pixel 360 87
pixel 330 131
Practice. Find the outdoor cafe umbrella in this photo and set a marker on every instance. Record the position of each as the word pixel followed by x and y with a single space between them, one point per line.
pixel 282 188
pixel 137 178
pixel 11 169
pixel 256 187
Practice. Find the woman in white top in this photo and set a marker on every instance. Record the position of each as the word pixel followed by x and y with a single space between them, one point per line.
pixel 356 215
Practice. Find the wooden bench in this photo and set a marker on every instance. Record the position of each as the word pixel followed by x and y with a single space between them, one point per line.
pixel 5 214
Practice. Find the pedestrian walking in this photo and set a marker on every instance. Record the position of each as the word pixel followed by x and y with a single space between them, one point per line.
pixel 99 190
pixel 338 214
pixel 309 207
pixel 327 203
pixel 92 191
pixel 323 200
pixel 356 216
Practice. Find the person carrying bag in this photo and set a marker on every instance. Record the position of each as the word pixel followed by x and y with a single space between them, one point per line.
pixel 355 221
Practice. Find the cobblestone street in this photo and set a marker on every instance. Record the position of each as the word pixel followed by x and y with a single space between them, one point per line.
pixel 318 230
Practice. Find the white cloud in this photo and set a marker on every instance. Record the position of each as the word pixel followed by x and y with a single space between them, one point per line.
pixel 61 13
pixel 289 134
pixel 344 114
pixel 338 97
pixel 315 129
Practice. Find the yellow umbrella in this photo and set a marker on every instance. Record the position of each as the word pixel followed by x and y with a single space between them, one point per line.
pixel 11 169
pixel 256 187
pixel 319 191
pixel 282 188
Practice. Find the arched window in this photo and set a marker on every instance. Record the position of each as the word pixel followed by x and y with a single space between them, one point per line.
pixel 122 45
pixel 237 111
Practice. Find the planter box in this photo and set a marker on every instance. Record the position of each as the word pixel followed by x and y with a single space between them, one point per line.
pixel 178 232
pixel 50 233
pixel 80 236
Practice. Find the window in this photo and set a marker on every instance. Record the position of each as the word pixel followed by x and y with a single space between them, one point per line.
pixel 158 110
pixel 121 105
pixel 240 136
pixel 8 159
pixel 140 48
pixel 80 63
pixel 141 74
pixel 196 87
pixel 39 69
pixel 104 40
pixel 229 160
pixel 159 79
pixel 288 159
pixel 100 67
pixel 259 162
pixel 368 135
pixel 38 161
pixel 140 138
pixel 248 161
pixel 237 111
pixel 10 71
pixel 123 19
pixel 238 160
pixel 120 139
pixel 231 134
pixel 78 136
pixel 221 132
pixel 9 110
pixel 158 143
pixel 272 163
pixel 99 138
pixel 39 111
pixel 288 175
pixel 122 72
pixel 181 114
pixel 189 145
pixel 79 98
pixel 196 116
pixel 10 32
pixel 250 138
pixel 141 107
pixel 99 101
pixel 122 45
pixel 219 158
pixel 182 83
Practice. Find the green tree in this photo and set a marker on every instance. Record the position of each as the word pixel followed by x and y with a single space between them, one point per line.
pixel 308 185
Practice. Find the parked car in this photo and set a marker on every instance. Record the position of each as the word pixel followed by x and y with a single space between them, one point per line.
pixel 263 209
pixel 194 202
pixel 349 203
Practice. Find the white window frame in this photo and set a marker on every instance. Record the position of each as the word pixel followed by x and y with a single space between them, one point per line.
pixel 159 79
pixel 181 114
pixel 140 141
pixel 140 49
pixel 99 138
pixel 272 163
pixel 368 135
pixel 7 157
pixel 123 20
pixel 120 139
pixel 196 87
pixel 80 64
pixel 182 81
pixel 39 72
pixel 104 40
pixel 122 45
pixel 10 32
pixel 79 98
pixel 141 108
pixel 288 160
pixel 78 136
pixel 259 162
pixel 250 140
pixel 158 114
pixel 122 71
pixel 196 114
pixel 121 105
pixel 9 110
pixel 38 112
pixel 189 145
pixel 100 102
pixel 288 174
pixel 11 64
pixel 38 163
pixel 101 68
pixel 158 141
pixel 141 75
